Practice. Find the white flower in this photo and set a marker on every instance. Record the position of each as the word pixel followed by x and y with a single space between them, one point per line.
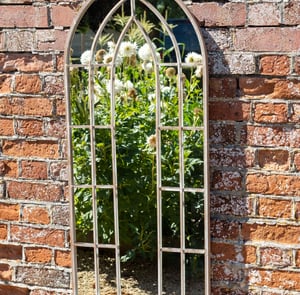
pixel 147 66
pixel 118 86
pixel 151 96
pixel 85 57
pixel 128 85
pixel 145 52
pixel 108 58
pixel 193 59
pixel 127 49
pixel 111 46
pixel 199 71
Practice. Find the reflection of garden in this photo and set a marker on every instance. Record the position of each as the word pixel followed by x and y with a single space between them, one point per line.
pixel 133 86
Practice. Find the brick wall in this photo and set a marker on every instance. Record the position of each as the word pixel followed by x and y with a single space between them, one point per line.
pixel 254 133
pixel 254 49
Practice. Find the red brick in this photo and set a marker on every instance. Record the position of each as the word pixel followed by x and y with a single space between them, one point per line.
pixel 63 258
pixel 29 127
pixel 275 257
pixel 38 255
pixel 8 168
pixel 249 254
pixel 3 231
pixel 56 128
pixel 54 85
pixel 222 133
pixel 63 15
pixel 226 180
pixel 60 107
pixel 5 272
pixel 11 252
pixel 41 236
pixel 34 170
pixel 22 16
pixel 34 191
pixel 297 258
pixel 271 137
pixel 284 234
pixel 223 251
pixel 271 88
pixel 27 63
pixel 9 211
pixel 274 208
pixel 275 39
pixel 297 210
pixel 41 149
pixel 297 65
pixel 5 83
pixel 291 12
pixel 284 280
pixel 226 272
pixel 232 111
pixel 274 65
pixel 60 63
pixel 213 14
pixel 26 83
pixel 273 159
pixel 28 106
pixel 9 290
pixel 59 171
pixel 222 87
pixel 6 127
pixel 263 14
pixel 51 39
pixel 43 292
pixel 35 214
pixel 273 184
pixel 270 113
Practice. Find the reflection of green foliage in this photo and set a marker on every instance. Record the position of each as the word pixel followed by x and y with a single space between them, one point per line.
pixel 135 111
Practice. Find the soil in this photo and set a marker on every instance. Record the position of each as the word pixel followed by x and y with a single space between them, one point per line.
pixel 137 278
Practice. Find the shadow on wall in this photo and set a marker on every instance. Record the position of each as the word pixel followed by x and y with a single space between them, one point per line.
pixel 229 160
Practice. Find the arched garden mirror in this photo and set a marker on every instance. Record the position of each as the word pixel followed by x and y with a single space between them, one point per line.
pixel 136 86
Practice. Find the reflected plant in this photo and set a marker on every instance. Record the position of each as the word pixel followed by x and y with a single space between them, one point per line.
pixel 125 81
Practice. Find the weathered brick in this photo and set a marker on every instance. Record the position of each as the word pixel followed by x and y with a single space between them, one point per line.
pixel 62 15
pixel 59 171
pixel 231 157
pixel 11 252
pixel 230 205
pixel 34 170
pixel 284 280
pixel 215 15
pixel 297 65
pixel 229 110
pixel 63 258
pixel 263 14
pixel 227 272
pixel 270 113
pixel 34 191
pixel 226 180
pixel 5 272
pixel 35 214
pixel 6 127
pixel 224 251
pixel 29 127
pixel 275 257
pixel 271 137
pixel 274 208
pixel 273 159
pixel 26 83
pixel 222 87
pixel 56 128
pixel 297 161
pixel 20 40
pixel 22 16
pixel 9 290
pixel 38 255
pixel 44 292
pixel 291 12
pixel 61 215
pixel 26 63
pixel 273 184
pixel 297 258
pixel 48 40
pixel 5 83
pixel 274 65
pixel 41 236
pixel 54 85
pixel 27 106
pixel 9 211
pixel 275 39
pixel 222 134
pixel 38 148
pixel 284 234
pixel 45 277
pixel 60 105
